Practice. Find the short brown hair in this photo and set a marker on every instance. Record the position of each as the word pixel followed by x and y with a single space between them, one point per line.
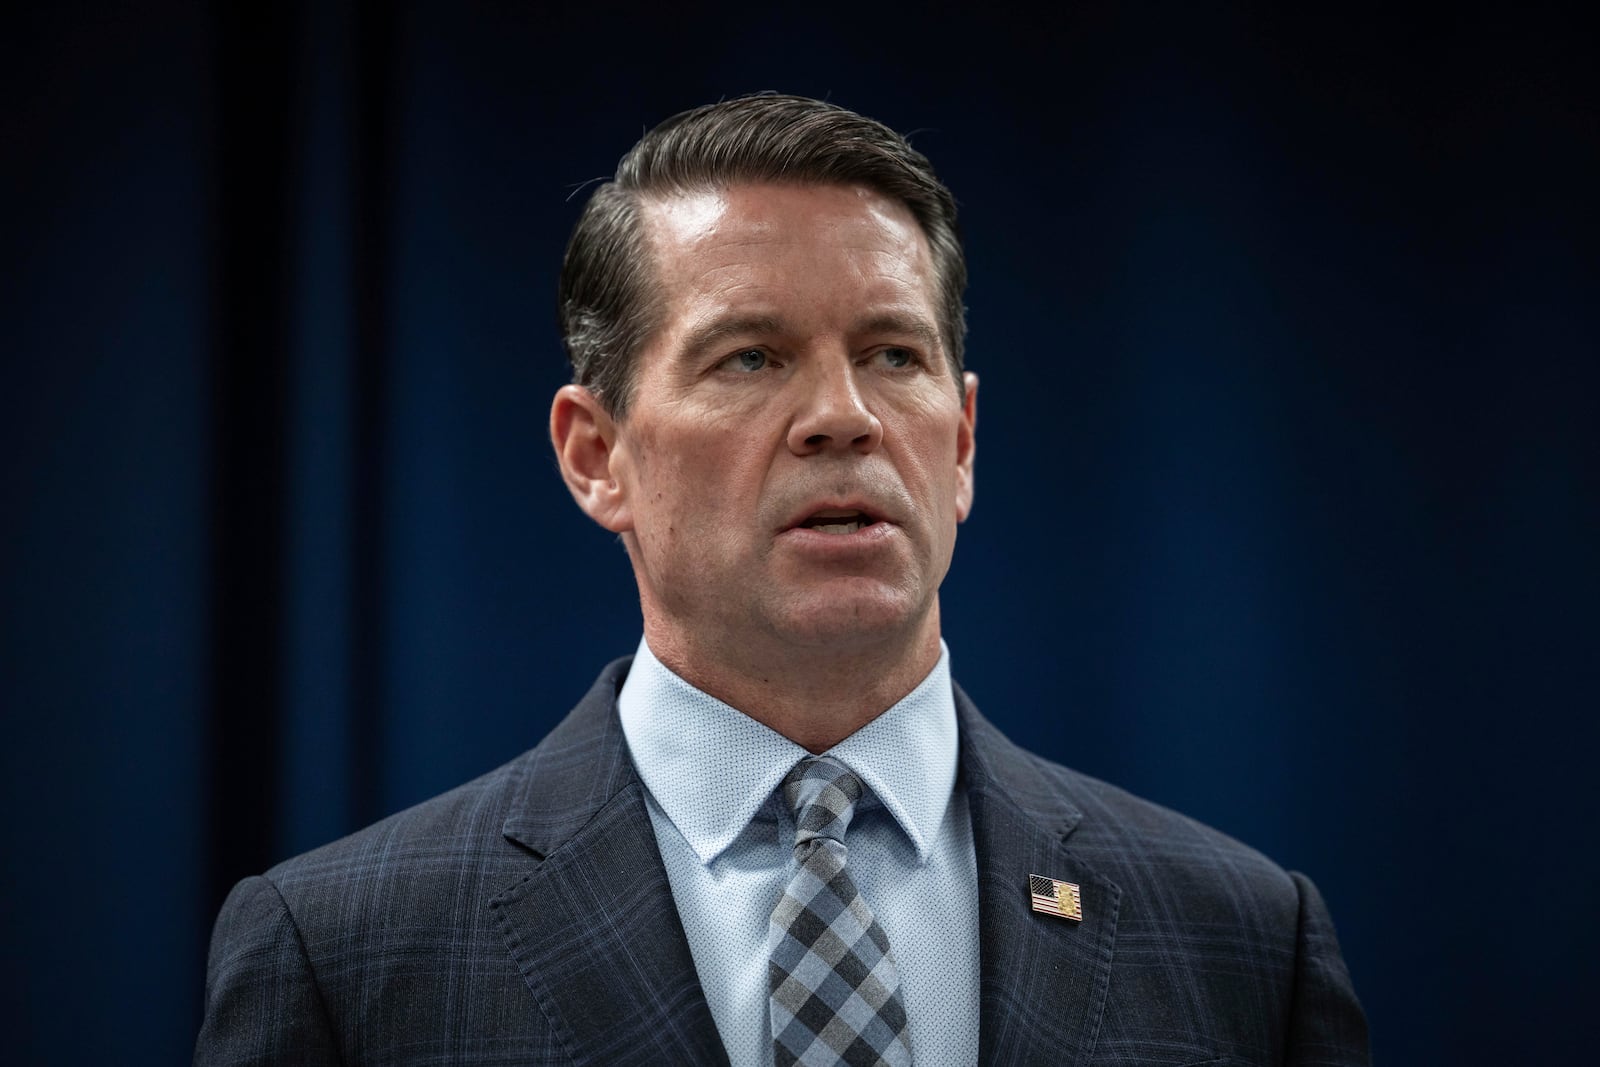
pixel 606 301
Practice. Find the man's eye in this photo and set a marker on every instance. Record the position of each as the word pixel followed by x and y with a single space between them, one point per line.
pixel 751 359
pixel 897 357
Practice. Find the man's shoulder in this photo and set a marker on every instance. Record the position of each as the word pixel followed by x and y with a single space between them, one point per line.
pixel 482 824
pixel 396 937
pixel 1119 832
pixel 455 824
pixel 1131 826
pixel 1189 907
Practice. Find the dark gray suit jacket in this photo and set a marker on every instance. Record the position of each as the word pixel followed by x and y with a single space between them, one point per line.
pixel 525 918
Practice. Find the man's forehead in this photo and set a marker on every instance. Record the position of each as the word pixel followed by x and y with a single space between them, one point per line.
pixel 762 260
pixel 686 218
pixel 685 214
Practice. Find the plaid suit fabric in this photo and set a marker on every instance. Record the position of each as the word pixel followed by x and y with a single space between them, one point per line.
pixel 521 919
pixel 835 991
pixel 526 918
pixel 1194 948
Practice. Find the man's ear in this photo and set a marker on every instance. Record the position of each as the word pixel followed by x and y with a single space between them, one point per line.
pixel 966 446
pixel 585 436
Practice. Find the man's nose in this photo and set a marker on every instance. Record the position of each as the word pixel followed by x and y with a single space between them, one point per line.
pixel 833 413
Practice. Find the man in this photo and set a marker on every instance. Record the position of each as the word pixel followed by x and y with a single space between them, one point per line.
pixel 779 833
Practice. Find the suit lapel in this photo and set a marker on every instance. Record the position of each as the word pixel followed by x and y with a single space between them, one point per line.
pixel 593 928
pixel 1044 978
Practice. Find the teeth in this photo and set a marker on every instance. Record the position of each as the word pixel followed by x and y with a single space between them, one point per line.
pixel 840 527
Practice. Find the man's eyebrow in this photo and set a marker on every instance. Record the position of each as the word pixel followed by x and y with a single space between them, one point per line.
pixel 904 325
pixel 714 331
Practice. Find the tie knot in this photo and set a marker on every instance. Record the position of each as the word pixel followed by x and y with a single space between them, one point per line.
pixel 822 793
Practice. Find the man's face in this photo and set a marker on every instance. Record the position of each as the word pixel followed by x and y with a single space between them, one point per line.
pixel 797 454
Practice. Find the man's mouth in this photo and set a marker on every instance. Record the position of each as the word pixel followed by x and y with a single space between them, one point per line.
pixel 837 521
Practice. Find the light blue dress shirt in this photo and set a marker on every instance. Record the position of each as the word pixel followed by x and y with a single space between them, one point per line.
pixel 711 775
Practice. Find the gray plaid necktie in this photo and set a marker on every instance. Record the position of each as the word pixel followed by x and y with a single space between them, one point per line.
pixel 835 991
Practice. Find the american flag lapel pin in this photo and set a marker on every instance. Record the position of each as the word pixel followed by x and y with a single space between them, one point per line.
pixel 1055 897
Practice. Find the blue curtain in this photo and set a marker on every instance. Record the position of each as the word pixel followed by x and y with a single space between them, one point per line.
pixel 1288 511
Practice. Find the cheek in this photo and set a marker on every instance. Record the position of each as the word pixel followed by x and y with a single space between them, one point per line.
pixel 693 491
pixel 932 452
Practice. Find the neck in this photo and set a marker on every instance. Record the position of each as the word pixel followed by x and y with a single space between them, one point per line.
pixel 814 696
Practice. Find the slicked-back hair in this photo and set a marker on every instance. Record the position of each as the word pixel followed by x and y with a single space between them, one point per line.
pixel 609 304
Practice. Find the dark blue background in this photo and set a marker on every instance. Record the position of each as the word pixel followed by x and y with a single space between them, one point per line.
pixel 1288 511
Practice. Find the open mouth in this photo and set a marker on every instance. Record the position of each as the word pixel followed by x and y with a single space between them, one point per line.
pixel 837 521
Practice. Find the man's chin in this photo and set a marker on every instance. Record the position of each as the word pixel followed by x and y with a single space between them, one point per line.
pixel 848 614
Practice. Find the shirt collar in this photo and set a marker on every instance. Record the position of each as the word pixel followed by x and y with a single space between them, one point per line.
pixel 711 767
